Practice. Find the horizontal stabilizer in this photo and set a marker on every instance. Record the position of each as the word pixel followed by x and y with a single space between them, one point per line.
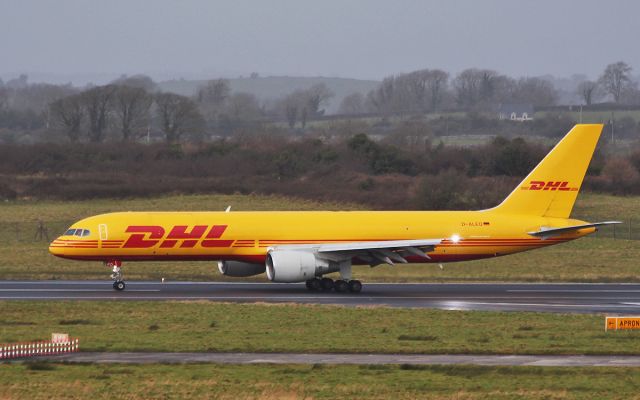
pixel 546 233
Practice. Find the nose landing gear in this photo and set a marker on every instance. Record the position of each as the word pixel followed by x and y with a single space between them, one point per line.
pixel 117 276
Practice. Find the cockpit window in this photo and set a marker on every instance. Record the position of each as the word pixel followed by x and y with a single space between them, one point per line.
pixel 77 232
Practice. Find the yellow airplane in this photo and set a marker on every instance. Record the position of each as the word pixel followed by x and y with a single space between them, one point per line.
pixel 304 246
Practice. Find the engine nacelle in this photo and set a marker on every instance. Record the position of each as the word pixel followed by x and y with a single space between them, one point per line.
pixel 239 269
pixel 293 266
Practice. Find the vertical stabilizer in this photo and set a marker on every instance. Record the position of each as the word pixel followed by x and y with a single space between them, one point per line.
pixel 551 189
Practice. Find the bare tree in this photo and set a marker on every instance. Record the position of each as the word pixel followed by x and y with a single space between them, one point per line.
pixel 380 100
pixel 68 114
pixel 131 107
pixel 417 91
pixel 211 99
pixel 178 115
pixel 467 87
pixel 315 97
pixel 536 91
pixel 291 107
pixel 589 91
pixel 615 78
pixel 97 103
pixel 436 86
pixel 352 104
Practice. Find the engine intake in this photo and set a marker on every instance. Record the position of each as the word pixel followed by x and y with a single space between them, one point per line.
pixel 293 266
pixel 239 269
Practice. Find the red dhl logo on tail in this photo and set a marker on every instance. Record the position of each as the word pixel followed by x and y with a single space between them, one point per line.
pixel 549 185
pixel 145 236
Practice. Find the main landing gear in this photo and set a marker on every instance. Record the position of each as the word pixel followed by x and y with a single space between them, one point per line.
pixel 328 284
pixel 117 276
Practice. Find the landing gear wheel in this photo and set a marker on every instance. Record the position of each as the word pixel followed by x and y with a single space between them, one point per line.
pixel 119 285
pixel 326 283
pixel 314 284
pixel 341 286
pixel 355 286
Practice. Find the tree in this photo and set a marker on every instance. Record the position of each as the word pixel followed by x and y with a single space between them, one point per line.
pixel 304 103
pixel 131 107
pixel 289 106
pixel 477 87
pixel 467 87
pixel 211 99
pixel 589 91
pixel 241 109
pixel 315 97
pixel 178 115
pixel 98 106
pixel 68 113
pixel 615 78
pixel 436 87
pixel 536 91
pixel 380 99
pixel 352 104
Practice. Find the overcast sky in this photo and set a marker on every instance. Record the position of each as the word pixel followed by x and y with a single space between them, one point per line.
pixel 348 38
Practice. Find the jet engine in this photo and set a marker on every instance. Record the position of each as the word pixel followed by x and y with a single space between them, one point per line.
pixel 239 269
pixel 294 266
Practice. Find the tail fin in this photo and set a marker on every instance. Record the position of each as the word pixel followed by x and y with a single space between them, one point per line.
pixel 550 190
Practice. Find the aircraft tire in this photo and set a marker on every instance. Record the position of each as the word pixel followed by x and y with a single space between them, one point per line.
pixel 355 286
pixel 326 283
pixel 314 284
pixel 341 286
pixel 119 285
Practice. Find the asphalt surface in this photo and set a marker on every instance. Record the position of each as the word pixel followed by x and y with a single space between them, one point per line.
pixel 573 297
pixel 360 359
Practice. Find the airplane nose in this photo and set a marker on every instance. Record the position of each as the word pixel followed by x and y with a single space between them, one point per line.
pixel 56 248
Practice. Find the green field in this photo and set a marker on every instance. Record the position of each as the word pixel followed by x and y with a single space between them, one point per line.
pixel 595 259
pixel 46 381
pixel 198 326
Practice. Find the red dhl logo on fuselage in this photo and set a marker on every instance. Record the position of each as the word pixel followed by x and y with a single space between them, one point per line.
pixel 550 185
pixel 145 236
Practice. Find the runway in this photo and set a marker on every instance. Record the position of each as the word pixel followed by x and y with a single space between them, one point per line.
pixel 563 298
pixel 354 359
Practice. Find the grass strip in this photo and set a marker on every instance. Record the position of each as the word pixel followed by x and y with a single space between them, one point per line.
pixel 158 381
pixel 222 327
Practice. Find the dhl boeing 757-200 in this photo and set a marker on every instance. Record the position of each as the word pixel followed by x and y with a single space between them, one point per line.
pixel 304 246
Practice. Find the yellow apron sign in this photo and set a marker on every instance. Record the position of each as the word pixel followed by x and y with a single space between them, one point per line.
pixel 618 323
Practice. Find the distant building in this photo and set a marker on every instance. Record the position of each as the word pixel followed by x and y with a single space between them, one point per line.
pixel 516 112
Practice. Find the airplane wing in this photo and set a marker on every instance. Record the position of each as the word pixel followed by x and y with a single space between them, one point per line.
pixel 374 253
pixel 546 233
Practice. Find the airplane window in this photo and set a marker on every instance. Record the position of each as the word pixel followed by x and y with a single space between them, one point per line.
pixel 86 232
pixel 70 232
pixel 78 232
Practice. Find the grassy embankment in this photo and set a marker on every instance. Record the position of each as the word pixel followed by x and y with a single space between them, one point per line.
pixel 46 381
pixel 591 259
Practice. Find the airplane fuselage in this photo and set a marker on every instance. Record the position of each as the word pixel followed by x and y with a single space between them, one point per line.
pixel 248 236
